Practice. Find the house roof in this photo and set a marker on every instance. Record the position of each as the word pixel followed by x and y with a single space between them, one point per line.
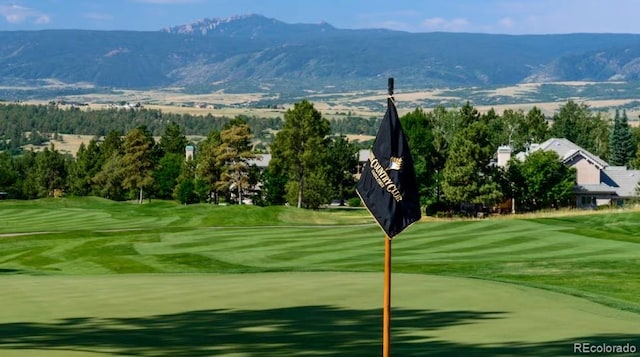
pixel 615 180
pixel 595 189
pixel 363 155
pixel 261 160
pixel 625 180
pixel 568 150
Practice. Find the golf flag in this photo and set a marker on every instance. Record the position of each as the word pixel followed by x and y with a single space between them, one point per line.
pixel 388 184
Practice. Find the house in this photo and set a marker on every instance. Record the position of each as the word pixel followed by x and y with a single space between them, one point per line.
pixel 597 183
pixel 363 157
pixel 261 161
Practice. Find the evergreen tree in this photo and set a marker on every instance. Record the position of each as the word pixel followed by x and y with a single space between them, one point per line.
pixel 460 171
pixel 173 141
pixel 109 179
pixel 468 177
pixel 138 161
pixel 8 174
pixel 274 181
pixel 86 165
pixel 185 189
pixel 621 146
pixel 208 168
pixel 341 161
pixel 27 176
pixel 50 171
pixel 111 145
pixel 300 145
pixel 232 156
pixel 166 174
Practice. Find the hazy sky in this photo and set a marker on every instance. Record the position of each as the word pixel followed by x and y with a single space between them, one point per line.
pixel 487 16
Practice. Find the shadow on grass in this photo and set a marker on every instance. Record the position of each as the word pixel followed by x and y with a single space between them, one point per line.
pixel 294 331
pixel 6 271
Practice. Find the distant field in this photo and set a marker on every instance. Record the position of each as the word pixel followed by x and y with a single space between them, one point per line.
pixel 604 97
pixel 367 103
pixel 66 143
pixel 90 276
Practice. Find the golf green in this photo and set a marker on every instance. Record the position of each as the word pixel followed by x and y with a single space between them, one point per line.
pixel 296 314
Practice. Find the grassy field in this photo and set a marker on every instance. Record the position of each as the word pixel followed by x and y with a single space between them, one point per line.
pixel 94 277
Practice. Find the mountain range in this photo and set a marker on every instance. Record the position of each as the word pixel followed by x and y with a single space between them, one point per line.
pixel 254 53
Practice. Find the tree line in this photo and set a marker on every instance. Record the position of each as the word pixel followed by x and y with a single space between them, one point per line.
pixel 30 124
pixel 453 149
pixel 133 165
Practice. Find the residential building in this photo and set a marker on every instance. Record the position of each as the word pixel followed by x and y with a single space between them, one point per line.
pixel 597 183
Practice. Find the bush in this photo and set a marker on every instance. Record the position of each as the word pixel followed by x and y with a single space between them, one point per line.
pixel 433 208
pixel 354 202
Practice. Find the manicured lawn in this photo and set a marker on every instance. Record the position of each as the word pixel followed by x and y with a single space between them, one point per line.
pixel 251 281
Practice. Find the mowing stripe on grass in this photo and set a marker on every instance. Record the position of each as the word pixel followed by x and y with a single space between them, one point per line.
pixel 283 238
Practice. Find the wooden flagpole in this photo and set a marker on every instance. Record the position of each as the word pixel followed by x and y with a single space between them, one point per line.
pixel 386 322
pixel 386 318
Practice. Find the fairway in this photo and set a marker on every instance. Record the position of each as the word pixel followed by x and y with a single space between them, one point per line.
pixel 94 277
pixel 271 314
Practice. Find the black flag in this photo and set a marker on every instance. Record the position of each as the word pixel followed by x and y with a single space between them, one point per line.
pixel 388 185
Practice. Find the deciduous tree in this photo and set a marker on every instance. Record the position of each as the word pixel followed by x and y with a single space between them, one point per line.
pixel 581 126
pixel 541 181
pixel 419 131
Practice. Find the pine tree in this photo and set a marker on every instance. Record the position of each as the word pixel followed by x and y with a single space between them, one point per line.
pixel 208 168
pixel 300 145
pixel 138 161
pixel 173 141
pixel 185 189
pixel 621 145
pixel 232 154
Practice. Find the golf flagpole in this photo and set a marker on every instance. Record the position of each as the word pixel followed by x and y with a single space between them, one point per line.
pixel 386 318
pixel 386 299
pixel 389 190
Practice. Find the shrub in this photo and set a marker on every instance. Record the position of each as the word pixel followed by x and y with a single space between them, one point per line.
pixel 354 202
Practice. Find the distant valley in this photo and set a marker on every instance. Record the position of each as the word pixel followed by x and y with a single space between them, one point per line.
pixel 256 62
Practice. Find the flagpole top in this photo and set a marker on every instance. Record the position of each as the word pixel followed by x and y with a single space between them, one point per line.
pixel 390 86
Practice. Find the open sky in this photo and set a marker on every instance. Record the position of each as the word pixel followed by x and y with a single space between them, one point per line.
pixel 485 16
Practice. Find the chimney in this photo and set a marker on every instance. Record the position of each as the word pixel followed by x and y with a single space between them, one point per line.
pixel 189 151
pixel 504 155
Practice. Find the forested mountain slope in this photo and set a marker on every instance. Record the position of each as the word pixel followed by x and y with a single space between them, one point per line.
pixel 254 53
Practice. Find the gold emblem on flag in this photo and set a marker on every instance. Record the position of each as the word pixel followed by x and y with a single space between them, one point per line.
pixel 395 163
pixel 382 177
